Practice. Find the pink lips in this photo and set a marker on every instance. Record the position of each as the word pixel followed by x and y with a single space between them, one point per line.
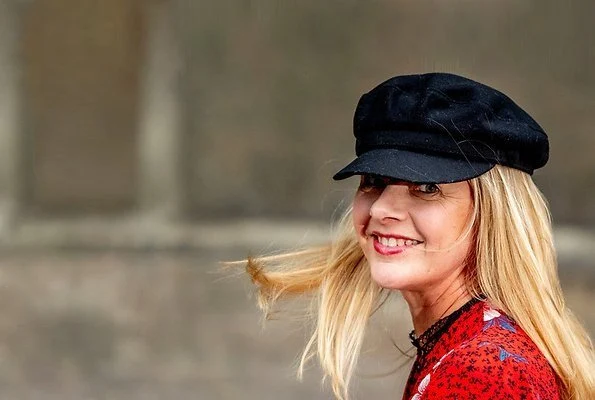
pixel 385 250
pixel 389 250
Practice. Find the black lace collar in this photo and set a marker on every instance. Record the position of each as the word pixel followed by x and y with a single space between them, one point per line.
pixel 427 340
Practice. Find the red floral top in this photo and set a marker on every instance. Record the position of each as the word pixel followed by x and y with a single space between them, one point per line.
pixel 482 355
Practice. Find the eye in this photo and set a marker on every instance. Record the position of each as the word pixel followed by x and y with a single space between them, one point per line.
pixel 427 188
pixel 370 183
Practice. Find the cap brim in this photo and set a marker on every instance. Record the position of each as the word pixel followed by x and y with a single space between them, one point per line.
pixel 414 167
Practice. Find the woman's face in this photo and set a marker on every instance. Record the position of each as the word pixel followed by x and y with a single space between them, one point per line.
pixel 400 226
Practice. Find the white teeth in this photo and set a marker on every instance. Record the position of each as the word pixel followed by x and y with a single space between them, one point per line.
pixel 394 242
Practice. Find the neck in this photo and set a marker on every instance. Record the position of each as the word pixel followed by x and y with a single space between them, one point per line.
pixel 426 308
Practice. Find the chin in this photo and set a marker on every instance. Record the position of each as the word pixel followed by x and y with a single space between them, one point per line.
pixel 392 276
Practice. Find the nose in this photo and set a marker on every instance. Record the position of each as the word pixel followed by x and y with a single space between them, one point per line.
pixel 391 204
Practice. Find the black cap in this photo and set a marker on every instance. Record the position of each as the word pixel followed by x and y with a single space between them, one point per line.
pixel 441 128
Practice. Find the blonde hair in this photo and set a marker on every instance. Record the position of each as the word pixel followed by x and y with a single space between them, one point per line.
pixel 515 268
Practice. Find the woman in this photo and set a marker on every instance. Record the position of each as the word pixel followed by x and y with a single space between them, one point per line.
pixel 447 214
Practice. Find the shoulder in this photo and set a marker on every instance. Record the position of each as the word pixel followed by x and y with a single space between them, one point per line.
pixel 501 361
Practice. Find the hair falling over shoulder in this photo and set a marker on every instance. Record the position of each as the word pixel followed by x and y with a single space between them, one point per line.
pixel 514 266
pixel 516 269
pixel 344 297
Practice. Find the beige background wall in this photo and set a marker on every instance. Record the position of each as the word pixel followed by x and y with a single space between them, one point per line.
pixel 80 69
pixel 272 88
pixel 265 92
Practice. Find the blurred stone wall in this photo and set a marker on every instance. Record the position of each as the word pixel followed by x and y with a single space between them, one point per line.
pixel 272 87
pixel 243 108
pixel 154 326
pixel 80 65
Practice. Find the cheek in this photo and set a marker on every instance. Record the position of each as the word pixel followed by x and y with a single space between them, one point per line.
pixel 441 227
pixel 431 224
pixel 361 212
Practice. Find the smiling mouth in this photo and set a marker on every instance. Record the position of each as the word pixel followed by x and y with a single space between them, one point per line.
pixel 394 242
pixel 391 245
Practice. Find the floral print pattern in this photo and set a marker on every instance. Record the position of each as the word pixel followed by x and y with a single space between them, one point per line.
pixel 483 355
